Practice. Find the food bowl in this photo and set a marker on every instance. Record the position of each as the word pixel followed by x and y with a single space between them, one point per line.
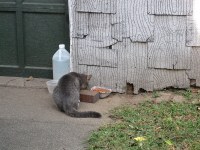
pixel 103 92
pixel 51 84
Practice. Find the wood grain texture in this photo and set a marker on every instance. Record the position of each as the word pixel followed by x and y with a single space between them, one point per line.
pixel 74 54
pixel 170 7
pixel 121 41
pixel 109 78
pixel 193 26
pixel 194 73
pixel 132 20
pixel 78 21
pixel 80 29
pixel 97 6
pixel 83 69
pixel 136 55
pixel 170 78
pixel 122 65
pixel 71 9
pixel 109 57
pixel 100 30
pixel 101 43
pixel 141 79
pixel 73 41
pixel 96 76
pixel 138 74
pixel 90 55
pixel 132 66
pixel 169 50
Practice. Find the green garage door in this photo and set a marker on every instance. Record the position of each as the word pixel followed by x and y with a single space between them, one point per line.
pixel 30 32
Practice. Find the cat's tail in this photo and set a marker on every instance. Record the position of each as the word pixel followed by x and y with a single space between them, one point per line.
pixel 86 114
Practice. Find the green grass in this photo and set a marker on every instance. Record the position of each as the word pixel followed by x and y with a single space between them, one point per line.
pixel 164 126
pixel 155 94
pixel 188 94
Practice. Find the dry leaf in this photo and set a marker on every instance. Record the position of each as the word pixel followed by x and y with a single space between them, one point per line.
pixel 168 142
pixel 140 139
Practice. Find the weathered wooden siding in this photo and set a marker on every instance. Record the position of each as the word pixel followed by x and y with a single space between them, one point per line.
pixel 132 21
pixel 168 49
pixel 132 66
pixel 193 26
pixel 170 7
pixel 170 78
pixel 97 6
pixel 194 73
pixel 152 44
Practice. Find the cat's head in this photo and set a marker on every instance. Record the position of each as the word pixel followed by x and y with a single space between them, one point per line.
pixel 85 80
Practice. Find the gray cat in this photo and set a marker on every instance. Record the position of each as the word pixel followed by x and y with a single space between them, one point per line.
pixel 67 93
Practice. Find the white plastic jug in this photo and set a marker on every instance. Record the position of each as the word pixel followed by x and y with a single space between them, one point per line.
pixel 61 62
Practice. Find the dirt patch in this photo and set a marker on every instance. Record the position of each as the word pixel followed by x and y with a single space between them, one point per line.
pixel 174 95
pixel 115 99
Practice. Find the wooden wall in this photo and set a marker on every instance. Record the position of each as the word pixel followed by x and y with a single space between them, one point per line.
pixel 152 44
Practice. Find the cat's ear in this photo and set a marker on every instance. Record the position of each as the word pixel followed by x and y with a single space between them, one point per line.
pixel 89 77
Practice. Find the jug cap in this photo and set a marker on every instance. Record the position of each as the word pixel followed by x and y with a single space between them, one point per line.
pixel 61 46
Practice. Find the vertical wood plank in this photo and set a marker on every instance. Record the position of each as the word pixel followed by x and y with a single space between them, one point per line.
pixel 169 50
pixel 193 26
pixel 132 20
pixel 78 21
pixel 138 73
pixel 136 55
pixel 170 7
pixel 132 66
pixel 141 79
pixel 82 69
pixel 80 29
pixel 109 57
pixel 87 54
pixel 73 54
pixel 109 47
pixel 194 73
pixel 97 6
pixel 109 78
pixel 100 30
pixel 122 66
pixel 90 55
pixel 170 78
pixel 96 76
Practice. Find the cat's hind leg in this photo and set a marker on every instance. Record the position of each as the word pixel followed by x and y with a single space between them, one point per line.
pixel 57 99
